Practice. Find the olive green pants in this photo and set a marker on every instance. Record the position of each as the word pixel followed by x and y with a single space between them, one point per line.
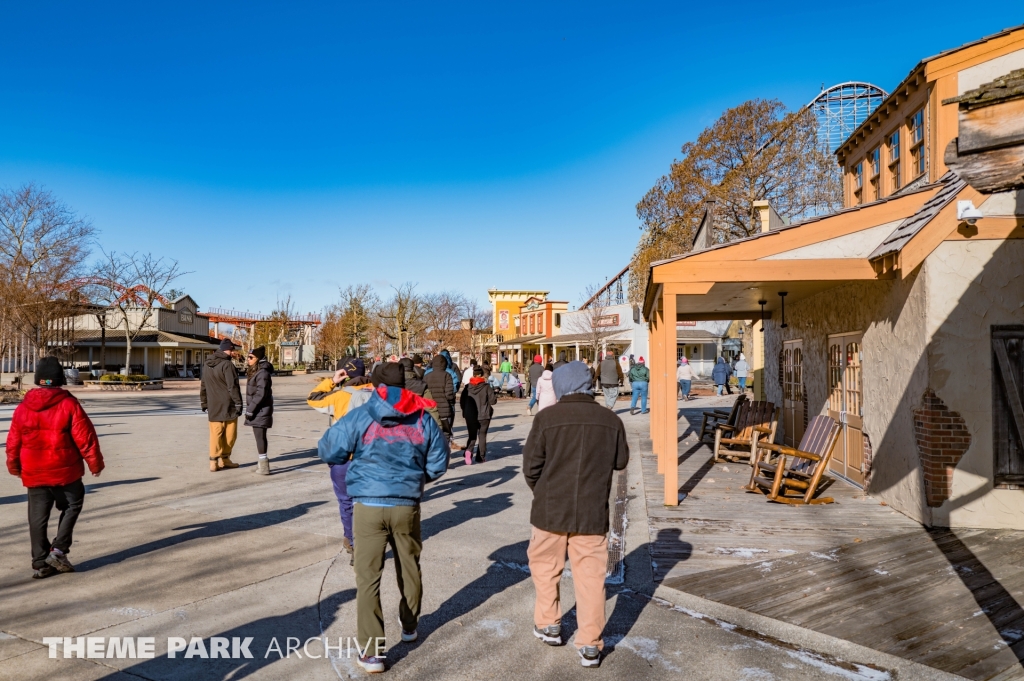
pixel 375 528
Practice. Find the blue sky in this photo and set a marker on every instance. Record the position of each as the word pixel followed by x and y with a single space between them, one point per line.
pixel 279 149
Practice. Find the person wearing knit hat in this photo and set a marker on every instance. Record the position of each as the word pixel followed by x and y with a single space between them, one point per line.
pixel 259 403
pixel 50 441
pixel 640 381
pixel 49 373
pixel 393 448
pixel 389 374
pixel 221 399
pixel 572 449
pixel 534 374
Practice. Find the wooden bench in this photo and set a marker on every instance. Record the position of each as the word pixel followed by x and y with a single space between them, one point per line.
pixel 719 416
pixel 804 478
pixel 755 420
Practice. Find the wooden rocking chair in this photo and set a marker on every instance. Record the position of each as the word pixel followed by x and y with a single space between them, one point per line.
pixel 740 440
pixel 805 478
pixel 717 416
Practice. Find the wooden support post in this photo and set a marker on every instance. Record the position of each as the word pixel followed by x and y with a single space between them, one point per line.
pixel 656 381
pixel 667 397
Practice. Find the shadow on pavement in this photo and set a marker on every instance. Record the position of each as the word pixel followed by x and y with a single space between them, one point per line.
pixel 492 478
pixel 18 498
pixel 303 623
pixel 467 509
pixel 510 567
pixel 214 528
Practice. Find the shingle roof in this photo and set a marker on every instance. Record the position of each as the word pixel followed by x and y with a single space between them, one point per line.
pixel 909 228
pixel 117 336
pixel 583 337
pixel 808 221
pixel 1002 89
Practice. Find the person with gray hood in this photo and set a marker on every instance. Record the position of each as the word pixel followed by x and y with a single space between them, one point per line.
pixel 572 450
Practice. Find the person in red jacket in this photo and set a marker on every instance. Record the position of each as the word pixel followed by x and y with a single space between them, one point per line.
pixel 49 439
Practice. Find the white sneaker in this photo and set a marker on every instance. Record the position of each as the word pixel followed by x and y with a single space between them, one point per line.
pixel 410 636
pixel 590 656
pixel 552 634
pixel 370 664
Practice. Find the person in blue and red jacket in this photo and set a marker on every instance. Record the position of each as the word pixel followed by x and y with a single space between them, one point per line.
pixel 395 448
pixel 50 440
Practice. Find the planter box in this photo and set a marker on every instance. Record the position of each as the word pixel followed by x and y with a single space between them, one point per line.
pixel 117 386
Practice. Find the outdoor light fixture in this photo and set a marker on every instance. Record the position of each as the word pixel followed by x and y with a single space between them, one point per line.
pixel 966 212
pixel 783 294
pixel 762 303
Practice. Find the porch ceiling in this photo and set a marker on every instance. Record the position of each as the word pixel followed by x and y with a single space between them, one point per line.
pixel 738 300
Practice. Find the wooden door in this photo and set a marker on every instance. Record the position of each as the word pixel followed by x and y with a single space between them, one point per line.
pixel 846 403
pixel 792 392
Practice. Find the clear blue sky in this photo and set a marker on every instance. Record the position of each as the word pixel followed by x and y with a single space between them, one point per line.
pixel 290 148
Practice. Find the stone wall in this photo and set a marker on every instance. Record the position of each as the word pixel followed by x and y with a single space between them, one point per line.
pixel 891 314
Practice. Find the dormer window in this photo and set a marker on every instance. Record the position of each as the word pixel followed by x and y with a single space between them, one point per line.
pixel 915 125
pixel 894 160
pixel 875 162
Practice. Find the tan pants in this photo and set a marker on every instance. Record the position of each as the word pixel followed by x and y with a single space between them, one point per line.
pixel 222 437
pixel 588 554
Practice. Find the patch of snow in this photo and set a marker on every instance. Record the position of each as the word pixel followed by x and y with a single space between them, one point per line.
pixel 786 551
pixel 765 567
pixel 755 674
pixel 879 571
pixel 831 555
pixel 132 612
pixel 739 552
pixel 522 567
pixel 647 648
pixel 5 636
pixel 499 628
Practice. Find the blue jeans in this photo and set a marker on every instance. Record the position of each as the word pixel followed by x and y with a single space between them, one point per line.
pixel 639 391
pixel 743 383
pixel 684 387
pixel 533 397
pixel 338 472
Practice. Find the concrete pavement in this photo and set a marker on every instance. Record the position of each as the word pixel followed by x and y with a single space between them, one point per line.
pixel 167 549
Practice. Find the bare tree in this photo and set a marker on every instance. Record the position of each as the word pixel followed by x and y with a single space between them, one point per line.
pixel 402 319
pixel 443 314
pixel 272 331
pixel 755 151
pixel 348 322
pixel 131 286
pixel 43 247
pixel 591 320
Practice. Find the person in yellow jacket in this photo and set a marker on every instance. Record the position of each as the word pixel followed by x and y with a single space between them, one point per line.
pixel 347 389
pixel 336 396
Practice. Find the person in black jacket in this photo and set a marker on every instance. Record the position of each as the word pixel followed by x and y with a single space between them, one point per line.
pixel 534 372
pixel 477 402
pixel 442 390
pixel 414 382
pixel 572 450
pixel 221 399
pixel 259 403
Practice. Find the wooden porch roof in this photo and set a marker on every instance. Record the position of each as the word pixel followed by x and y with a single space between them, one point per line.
pixel 876 241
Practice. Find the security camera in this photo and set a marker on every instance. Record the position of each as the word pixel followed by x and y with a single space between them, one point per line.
pixel 966 212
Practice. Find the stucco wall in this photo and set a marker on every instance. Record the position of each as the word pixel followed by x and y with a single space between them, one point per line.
pixel 891 315
pixel 973 285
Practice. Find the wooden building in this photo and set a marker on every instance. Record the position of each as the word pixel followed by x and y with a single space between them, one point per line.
pixel 902 316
